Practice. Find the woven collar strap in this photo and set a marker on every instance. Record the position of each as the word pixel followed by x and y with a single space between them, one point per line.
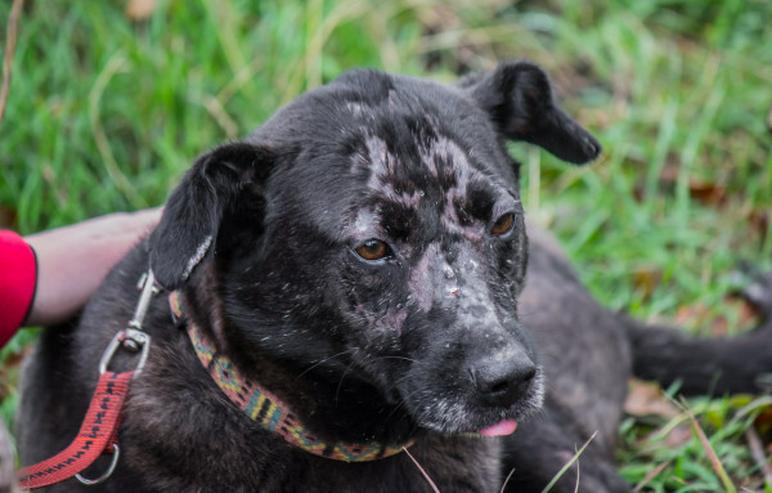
pixel 268 410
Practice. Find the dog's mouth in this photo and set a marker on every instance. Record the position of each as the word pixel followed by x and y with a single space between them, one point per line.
pixel 458 413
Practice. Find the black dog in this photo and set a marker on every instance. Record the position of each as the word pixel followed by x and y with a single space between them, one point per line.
pixel 362 257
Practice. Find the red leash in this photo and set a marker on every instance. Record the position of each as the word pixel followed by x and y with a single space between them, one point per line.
pixel 98 434
pixel 99 431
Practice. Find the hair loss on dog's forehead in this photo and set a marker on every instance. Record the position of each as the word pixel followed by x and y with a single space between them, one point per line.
pixel 411 167
pixel 403 176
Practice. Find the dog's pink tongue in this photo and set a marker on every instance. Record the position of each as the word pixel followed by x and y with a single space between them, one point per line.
pixel 503 428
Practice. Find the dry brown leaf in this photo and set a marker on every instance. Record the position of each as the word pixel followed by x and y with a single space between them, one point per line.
pixel 140 10
pixel 678 436
pixel 699 315
pixel 646 279
pixel 695 315
pixel 707 193
pixel 647 399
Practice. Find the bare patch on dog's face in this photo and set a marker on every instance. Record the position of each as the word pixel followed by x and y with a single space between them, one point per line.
pixel 442 170
pixel 425 200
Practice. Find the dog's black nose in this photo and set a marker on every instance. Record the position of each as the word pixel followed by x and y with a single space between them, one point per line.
pixel 501 381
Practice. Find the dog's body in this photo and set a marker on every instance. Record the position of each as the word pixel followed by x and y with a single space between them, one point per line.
pixel 368 267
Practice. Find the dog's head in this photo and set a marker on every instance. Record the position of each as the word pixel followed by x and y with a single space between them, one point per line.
pixel 370 236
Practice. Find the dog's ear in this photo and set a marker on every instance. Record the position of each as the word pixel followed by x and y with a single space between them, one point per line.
pixel 518 98
pixel 195 210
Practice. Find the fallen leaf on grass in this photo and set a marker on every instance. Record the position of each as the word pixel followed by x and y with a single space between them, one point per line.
pixel 700 316
pixel 705 192
pixel 678 436
pixel 646 279
pixel 648 399
pixel 695 315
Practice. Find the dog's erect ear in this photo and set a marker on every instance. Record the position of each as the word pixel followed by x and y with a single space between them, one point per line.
pixel 518 98
pixel 195 210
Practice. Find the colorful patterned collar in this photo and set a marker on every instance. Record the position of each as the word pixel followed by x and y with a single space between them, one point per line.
pixel 268 410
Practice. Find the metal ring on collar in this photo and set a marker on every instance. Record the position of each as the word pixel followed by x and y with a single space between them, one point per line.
pixel 104 477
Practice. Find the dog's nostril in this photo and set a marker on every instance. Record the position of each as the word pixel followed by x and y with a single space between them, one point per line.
pixel 502 382
pixel 501 386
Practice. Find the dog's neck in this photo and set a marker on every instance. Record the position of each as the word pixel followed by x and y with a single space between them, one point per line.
pixel 331 425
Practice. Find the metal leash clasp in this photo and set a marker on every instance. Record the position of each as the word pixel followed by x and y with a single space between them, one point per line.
pixel 133 338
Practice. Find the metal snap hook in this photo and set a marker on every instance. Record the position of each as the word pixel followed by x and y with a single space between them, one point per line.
pixel 104 477
pixel 139 339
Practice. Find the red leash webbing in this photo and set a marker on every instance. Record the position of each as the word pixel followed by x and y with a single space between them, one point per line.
pixel 96 436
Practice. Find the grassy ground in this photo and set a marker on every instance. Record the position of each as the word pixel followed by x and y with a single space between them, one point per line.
pixel 108 108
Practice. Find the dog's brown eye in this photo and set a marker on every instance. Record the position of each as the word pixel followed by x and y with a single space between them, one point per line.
pixel 503 225
pixel 373 249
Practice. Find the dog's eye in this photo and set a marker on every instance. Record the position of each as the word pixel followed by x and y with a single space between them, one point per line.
pixel 503 225
pixel 373 249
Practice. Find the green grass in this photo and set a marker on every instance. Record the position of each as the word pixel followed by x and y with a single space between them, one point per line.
pixel 105 113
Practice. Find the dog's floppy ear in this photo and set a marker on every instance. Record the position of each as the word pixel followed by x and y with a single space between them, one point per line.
pixel 195 210
pixel 518 98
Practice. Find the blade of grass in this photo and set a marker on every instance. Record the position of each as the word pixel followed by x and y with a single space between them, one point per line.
pixel 715 462
pixel 568 464
pixel 578 477
pixel 506 481
pixel 423 472
pixel 10 49
pixel 115 65
pixel 650 476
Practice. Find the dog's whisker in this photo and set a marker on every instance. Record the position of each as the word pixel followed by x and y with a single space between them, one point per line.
pixel 402 404
pixel 404 358
pixel 325 360
pixel 399 381
pixel 342 377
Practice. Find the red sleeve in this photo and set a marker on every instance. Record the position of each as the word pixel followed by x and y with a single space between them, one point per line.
pixel 17 283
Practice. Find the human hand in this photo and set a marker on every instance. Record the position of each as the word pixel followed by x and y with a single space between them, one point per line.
pixel 73 260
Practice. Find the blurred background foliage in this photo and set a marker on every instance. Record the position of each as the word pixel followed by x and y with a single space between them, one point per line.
pixel 111 101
